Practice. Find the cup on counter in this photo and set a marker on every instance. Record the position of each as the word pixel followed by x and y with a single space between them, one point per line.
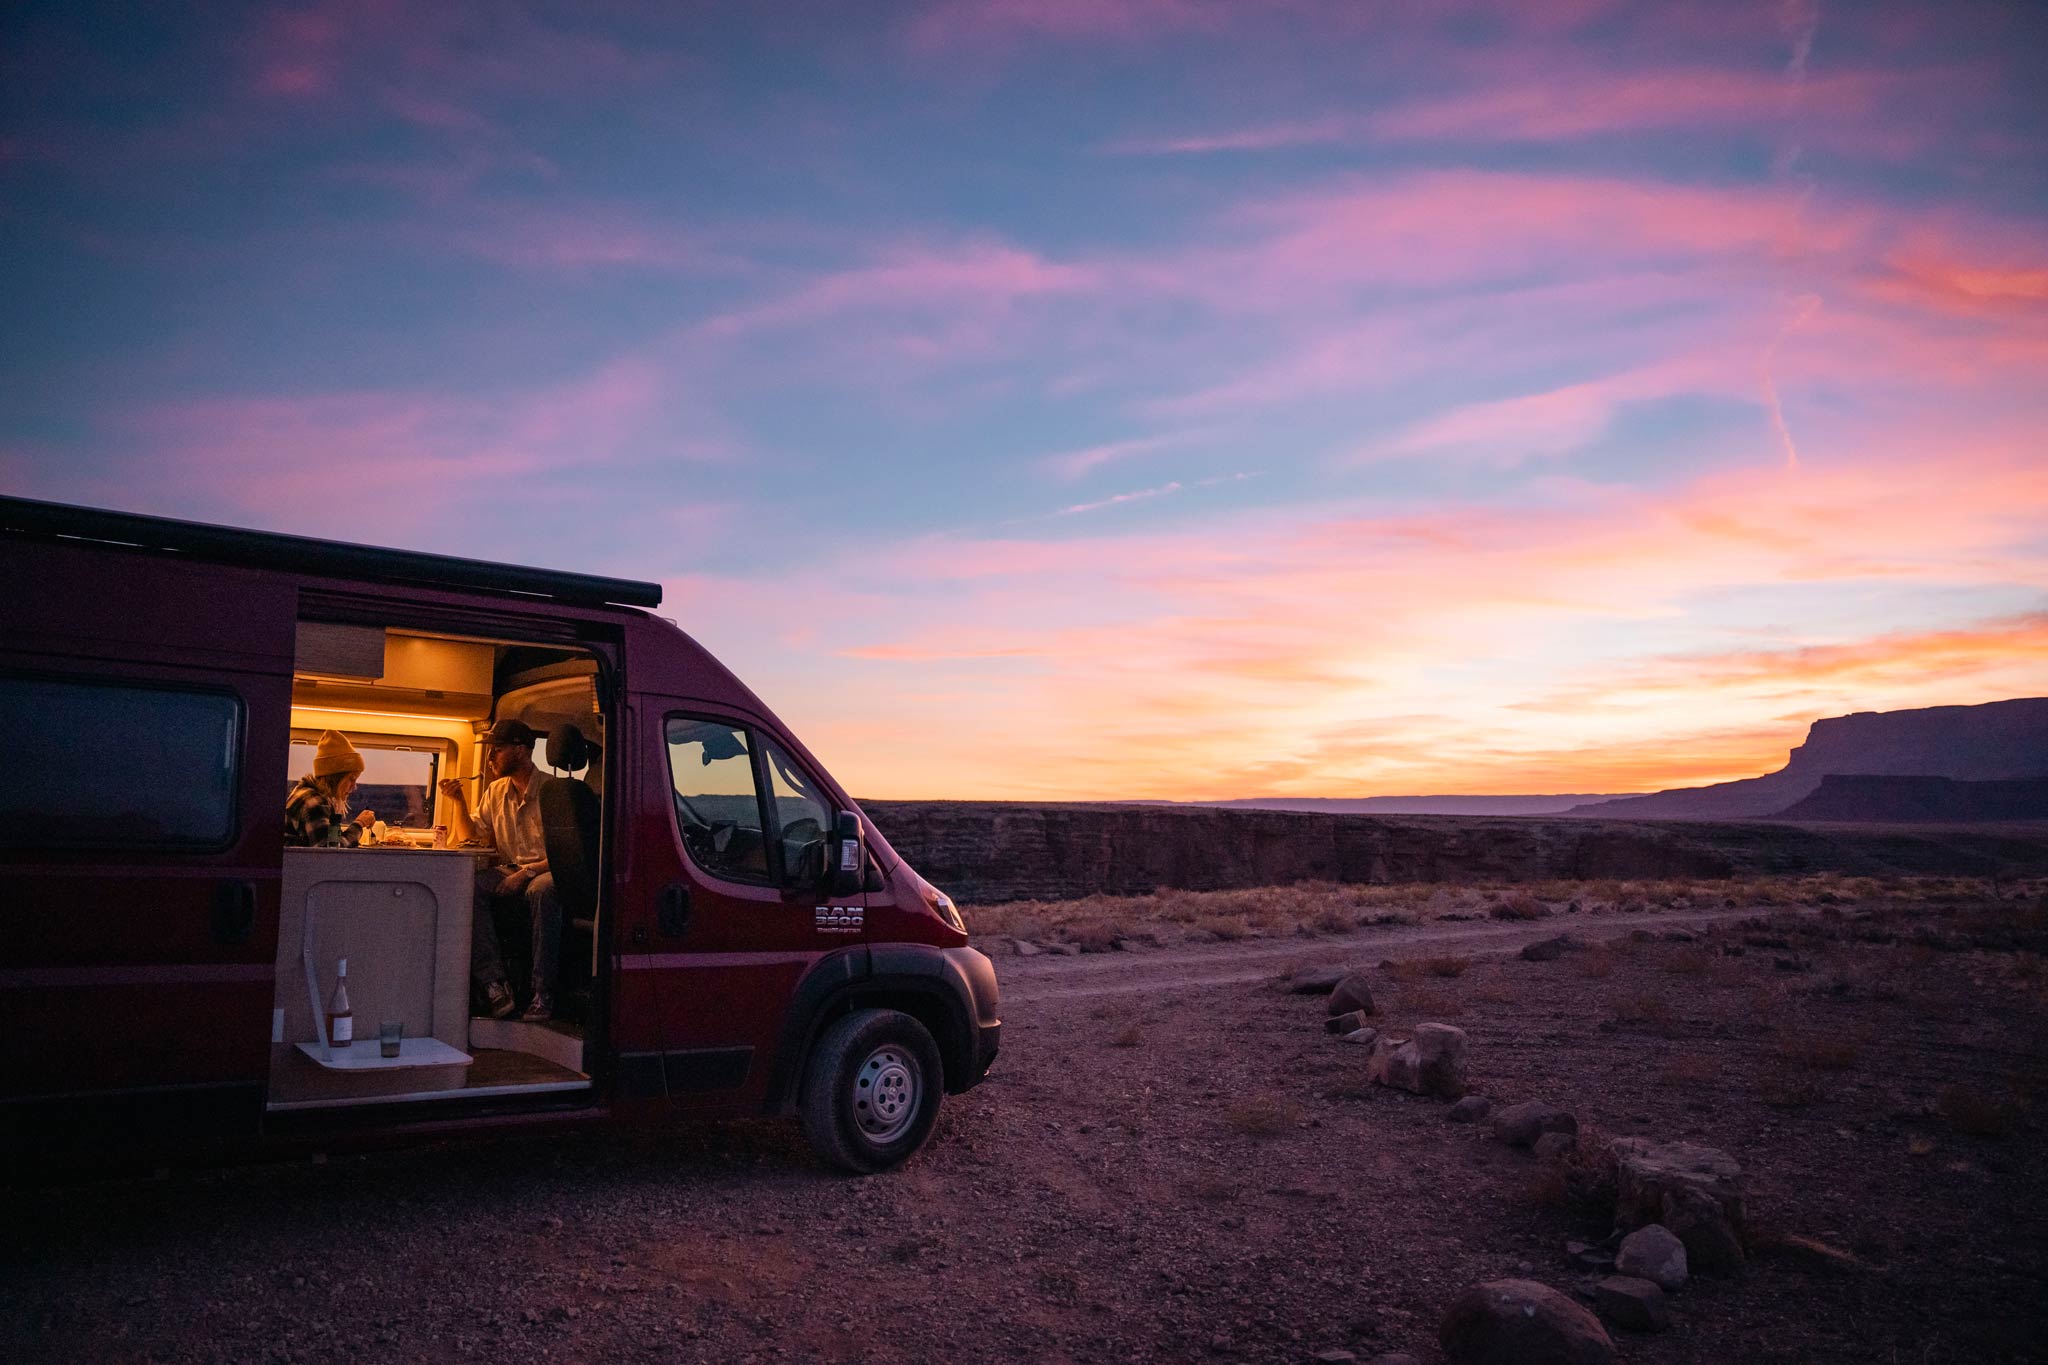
pixel 440 836
pixel 389 1037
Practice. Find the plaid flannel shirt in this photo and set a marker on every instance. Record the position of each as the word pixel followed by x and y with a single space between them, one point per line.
pixel 311 821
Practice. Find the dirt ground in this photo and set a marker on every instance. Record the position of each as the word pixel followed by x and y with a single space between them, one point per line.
pixel 1172 1161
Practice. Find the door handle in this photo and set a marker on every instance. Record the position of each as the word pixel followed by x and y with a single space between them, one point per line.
pixel 672 917
pixel 234 912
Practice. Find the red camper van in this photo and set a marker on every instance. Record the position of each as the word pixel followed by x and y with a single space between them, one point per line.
pixel 737 938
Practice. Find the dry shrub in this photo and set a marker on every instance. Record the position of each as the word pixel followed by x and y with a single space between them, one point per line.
pixel 1972 1112
pixel 1447 965
pixel 1213 1189
pixel 1335 919
pixel 1520 906
pixel 1494 992
pixel 1262 1116
pixel 1352 1088
pixel 1130 1036
pixel 1426 1003
pixel 1228 928
pixel 1595 966
pixel 1094 936
pixel 1584 1181
pixel 1688 960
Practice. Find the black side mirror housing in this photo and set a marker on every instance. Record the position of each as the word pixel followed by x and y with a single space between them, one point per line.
pixel 849 855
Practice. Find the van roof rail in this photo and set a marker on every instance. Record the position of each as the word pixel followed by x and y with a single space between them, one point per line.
pixel 270 550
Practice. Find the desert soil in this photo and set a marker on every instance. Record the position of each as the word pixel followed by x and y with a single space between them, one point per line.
pixel 1172 1161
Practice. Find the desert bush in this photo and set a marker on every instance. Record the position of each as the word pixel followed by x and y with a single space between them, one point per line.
pixel 1972 1112
pixel 1584 1181
pixel 1519 906
pixel 1494 992
pixel 1425 1003
pixel 1228 928
pixel 1262 1116
pixel 1446 965
pixel 1595 966
pixel 1212 1189
pixel 1641 1007
pixel 1130 1035
pixel 1094 935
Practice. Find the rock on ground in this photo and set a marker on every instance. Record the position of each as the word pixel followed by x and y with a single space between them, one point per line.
pixel 1550 949
pixel 1652 1253
pixel 1349 1022
pixel 1316 980
pixel 1363 1037
pixel 1695 1192
pixel 1519 1125
pixel 1553 1146
pixel 1352 993
pixel 1520 1322
pixel 1637 1305
pixel 1471 1109
pixel 1430 1063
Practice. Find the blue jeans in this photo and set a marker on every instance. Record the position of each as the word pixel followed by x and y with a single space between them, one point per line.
pixel 543 913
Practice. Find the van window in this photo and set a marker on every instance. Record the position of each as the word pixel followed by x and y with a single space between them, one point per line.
pixel 801 817
pixel 398 784
pixel 94 764
pixel 717 803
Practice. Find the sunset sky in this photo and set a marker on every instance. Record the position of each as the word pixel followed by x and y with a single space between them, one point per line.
pixel 1077 399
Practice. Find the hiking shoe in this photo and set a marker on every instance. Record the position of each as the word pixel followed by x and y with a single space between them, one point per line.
pixel 540 1011
pixel 498 999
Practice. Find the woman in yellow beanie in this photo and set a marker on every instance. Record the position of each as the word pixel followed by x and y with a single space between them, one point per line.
pixel 316 813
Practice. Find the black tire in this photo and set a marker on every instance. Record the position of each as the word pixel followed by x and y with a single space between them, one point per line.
pixel 871 1091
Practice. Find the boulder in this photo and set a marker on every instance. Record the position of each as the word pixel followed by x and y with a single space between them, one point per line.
pixel 1026 948
pixel 1394 1358
pixel 1652 1253
pixel 1364 1037
pixel 1551 949
pixel 1352 993
pixel 1471 1109
pixel 1694 1192
pixel 1555 1146
pixel 1520 1322
pixel 1316 980
pixel 1430 1063
pixel 1345 1023
pixel 1519 1125
pixel 1637 1305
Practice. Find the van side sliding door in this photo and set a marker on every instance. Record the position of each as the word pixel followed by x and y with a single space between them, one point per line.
pixel 146 704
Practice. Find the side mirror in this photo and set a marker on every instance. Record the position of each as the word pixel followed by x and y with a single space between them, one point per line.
pixel 849 855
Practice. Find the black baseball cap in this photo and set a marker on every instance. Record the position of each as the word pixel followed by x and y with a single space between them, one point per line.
pixel 509 732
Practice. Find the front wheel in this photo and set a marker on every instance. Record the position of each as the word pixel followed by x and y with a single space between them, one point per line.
pixel 871 1090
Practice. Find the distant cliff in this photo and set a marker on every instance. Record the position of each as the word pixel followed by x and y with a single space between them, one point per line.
pixel 1920 800
pixel 983 852
pixel 1996 742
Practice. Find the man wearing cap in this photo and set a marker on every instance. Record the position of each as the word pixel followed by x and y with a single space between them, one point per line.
pixel 316 812
pixel 508 821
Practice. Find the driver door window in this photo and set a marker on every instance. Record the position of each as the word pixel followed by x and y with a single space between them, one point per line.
pixel 718 807
pixel 801 818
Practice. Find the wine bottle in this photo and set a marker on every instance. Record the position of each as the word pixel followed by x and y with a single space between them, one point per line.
pixel 341 1023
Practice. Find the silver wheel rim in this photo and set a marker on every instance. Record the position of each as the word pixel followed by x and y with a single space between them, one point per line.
pixel 887 1089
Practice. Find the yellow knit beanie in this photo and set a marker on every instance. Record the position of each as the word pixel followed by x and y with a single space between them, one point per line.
pixel 335 755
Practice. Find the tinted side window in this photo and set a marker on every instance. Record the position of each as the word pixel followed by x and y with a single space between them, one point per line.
pixel 398 784
pixel 800 815
pixel 105 765
pixel 718 806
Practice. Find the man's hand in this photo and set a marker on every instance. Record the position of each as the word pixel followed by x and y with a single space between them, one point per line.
pixel 515 881
pixel 451 787
pixel 366 818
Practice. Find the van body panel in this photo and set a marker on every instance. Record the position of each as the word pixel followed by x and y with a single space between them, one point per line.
pixel 135 978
